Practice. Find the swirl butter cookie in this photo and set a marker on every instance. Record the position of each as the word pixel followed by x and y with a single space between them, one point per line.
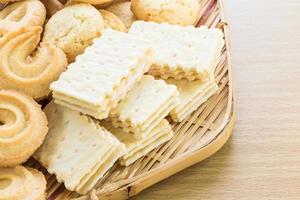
pixel 22 14
pixel 21 183
pixel 181 12
pixel 23 127
pixel 122 10
pixel 112 21
pixel 73 28
pixel 27 66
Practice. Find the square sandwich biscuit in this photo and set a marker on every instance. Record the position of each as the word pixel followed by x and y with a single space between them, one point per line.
pixel 76 149
pixel 145 106
pixel 181 52
pixel 139 147
pixel 192 94
pixel 103 74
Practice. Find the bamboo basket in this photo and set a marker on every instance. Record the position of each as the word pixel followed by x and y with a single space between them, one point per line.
pixel 198 137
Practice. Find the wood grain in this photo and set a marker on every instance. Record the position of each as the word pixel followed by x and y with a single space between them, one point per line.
pixel 262 159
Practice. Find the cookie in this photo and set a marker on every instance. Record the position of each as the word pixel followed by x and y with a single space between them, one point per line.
pixel 23 126
pixel 22 14
pixel 22 183
pixel 192 94
pixel 191 54
pixel 139 147
pixel 27 66
pixel 102 76
pixel 182 12
pixel 73 28
pixel 122 10
pixel 145 106
pixel 77 150
pixel 112 21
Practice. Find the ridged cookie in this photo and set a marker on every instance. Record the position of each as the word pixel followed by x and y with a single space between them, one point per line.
pixel 21 183
pixel 122 10
pixel 181 12
pixel 112 21
pixel 73 28
pixel 22 14
pixel 27 66
pixel 23 126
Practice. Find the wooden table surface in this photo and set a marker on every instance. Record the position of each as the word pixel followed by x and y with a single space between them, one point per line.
pixel 262 159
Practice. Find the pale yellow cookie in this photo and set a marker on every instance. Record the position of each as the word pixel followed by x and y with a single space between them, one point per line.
pixel 27 66
pixel 21 183
pixel 73 28
pixel 23 126
pixel 122 10
pixel 112 21
pixel 181 12
pixel 22 14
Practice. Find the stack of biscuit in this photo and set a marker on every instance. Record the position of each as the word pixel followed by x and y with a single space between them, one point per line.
pixel 183 61
pixel 112 90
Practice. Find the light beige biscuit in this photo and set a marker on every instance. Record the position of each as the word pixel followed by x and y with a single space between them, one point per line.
pixel 73 135
pixel 181 12
pixel 112 21
pixel 22 14
pixel 139 147
pixel 27 66
pixel 192 53
pixel 122 10
pixel 143 108
pixel 23 126
pixel 192 94
pixel 73 28
pixel 22 183
pixel 103 75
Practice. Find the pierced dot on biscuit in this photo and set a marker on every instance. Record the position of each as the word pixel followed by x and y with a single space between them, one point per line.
pixel 81 133
pixel 94 145
pixel 67 122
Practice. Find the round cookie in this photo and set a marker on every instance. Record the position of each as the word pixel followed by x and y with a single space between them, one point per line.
pixel 23 127
pixel 73 28
pixel 21 183
pixel 112 21
pixel 27 66
pixel 181 12
pixel 122 10
pixel 22 14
